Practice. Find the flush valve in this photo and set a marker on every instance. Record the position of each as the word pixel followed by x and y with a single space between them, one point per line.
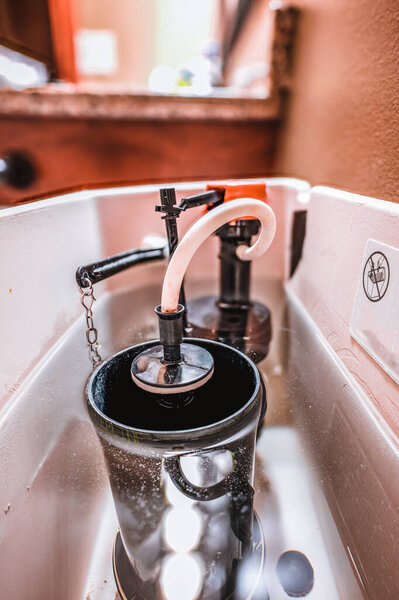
pixel 172 367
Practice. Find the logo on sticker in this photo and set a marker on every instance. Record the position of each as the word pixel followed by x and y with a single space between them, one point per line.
pixel 376 276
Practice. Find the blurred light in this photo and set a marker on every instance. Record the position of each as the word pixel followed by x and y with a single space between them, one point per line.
pixel 191 467
pixel 4 64
pixel 195 77
pixel 96 51
pixel 201 86
pixel 22 75
pixel 216 539
pixel 303 197
pixel 246 76
pixel 201 68
pixel 210 48
pixel 175 497
pixel 224 462
pixel 19 72
pixel 183 529
pixel 181 577
pixel 162 80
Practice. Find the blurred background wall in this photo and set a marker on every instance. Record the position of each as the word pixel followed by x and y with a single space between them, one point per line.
pixel 341 124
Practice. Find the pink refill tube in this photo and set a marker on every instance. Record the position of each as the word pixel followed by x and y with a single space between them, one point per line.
pixel 202 229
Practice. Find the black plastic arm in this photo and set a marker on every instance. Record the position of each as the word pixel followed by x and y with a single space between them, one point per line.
pixel 211 198
pixel 111 265
pixel 171 212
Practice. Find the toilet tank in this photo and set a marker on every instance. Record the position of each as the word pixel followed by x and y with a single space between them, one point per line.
pixel 332 382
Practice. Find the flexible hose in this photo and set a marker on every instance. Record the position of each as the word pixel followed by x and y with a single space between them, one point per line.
pixel 202 229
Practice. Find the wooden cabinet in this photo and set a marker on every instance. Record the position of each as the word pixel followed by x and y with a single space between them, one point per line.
pixel 88 140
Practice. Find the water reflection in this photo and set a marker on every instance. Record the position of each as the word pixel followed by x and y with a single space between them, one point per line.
pixel 182 529
pixel 181 577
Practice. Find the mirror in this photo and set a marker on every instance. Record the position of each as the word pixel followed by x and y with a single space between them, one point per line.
pixel 185 47
pixel 219 48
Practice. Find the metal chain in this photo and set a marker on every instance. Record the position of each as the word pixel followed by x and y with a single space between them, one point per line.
pixel 87 300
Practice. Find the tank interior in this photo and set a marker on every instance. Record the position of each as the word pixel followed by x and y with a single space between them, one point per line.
pixel 317 483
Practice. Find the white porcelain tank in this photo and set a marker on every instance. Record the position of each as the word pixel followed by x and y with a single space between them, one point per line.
pixel 327 470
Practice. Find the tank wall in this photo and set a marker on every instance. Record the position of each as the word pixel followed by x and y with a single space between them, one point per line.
pixel 54 479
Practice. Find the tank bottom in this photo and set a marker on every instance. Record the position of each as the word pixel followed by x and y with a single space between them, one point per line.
pixel 130 586
pixel 246 328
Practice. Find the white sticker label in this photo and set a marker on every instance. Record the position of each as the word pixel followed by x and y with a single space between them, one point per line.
pixel 375 316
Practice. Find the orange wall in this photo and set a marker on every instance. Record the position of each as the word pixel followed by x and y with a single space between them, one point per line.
pixel 134 24
pixel 342 120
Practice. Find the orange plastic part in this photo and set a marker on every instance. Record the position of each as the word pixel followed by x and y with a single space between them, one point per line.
pixel 235 189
